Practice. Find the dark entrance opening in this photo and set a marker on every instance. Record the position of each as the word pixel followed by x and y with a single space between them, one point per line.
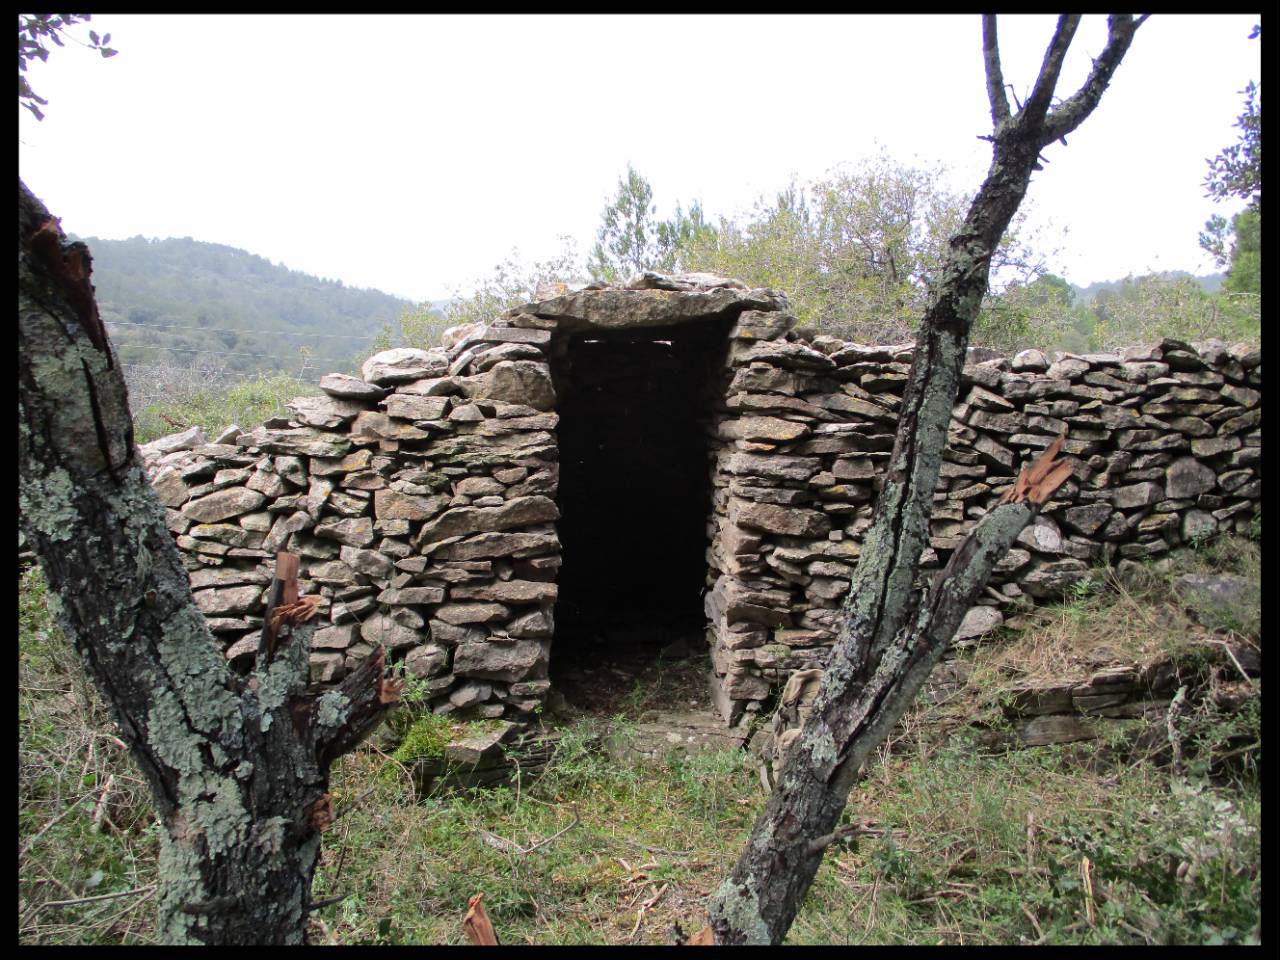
pixel 634 497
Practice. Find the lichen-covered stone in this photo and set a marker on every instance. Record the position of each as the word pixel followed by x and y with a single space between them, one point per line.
pixel 346 387
pixel 403 364
pixel 494 660
pixel 223 505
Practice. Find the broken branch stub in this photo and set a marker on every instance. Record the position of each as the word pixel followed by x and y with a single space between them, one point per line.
pixel 1036 483
pixel 476 924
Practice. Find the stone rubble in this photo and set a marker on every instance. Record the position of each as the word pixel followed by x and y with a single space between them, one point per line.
pixel 422 498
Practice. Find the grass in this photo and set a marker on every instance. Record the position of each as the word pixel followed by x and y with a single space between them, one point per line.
pixel 85 826
pixel 1100 843
pixel 247 404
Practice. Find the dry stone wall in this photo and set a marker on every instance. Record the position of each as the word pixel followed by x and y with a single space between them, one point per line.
pixel 1164 441
pixel 422 498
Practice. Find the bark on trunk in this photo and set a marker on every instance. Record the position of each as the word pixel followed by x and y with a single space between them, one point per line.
pixel 891 637
pixel 238 767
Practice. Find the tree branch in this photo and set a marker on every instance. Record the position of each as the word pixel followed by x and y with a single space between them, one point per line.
pixel 363 698
pixel 995 78
pixel 1072 112
pixel 1037 105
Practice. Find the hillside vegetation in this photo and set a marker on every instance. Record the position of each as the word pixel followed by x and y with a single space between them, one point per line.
pixel 1147 835
pixel 226 315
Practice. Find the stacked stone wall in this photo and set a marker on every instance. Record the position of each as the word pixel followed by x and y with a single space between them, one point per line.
pixel 421 501
pixel 1164 442
pixel 422 498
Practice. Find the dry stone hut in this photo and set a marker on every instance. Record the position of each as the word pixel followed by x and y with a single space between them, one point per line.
pixel 613 466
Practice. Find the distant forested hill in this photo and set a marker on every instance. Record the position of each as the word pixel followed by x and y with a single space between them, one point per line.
pixel 212 314
pixel 1211 284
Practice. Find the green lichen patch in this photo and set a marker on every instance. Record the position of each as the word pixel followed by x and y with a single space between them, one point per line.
pixel 180 884
pixel 275 683
pixel 197 672
pixel 270 834
pixel 170 736
pixel 332 709
pixel 738 904
pixel 216 809
pixel 45 502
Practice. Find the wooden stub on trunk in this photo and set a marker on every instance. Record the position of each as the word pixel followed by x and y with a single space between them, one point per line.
pixel 1037 482
pixel 476 924
pixel 705 937
pixel 287 568
pixel 284 594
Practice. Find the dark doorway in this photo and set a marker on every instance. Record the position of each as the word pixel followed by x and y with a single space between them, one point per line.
pixel 634 494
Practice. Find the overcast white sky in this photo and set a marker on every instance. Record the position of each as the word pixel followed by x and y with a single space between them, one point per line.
pixel 412 154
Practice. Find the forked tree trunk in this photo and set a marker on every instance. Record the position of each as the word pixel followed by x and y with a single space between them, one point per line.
pixel 890 636
pixel 238 767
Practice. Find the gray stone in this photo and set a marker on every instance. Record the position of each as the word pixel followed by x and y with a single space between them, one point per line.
pixel 477 487
pixel 170 488
pixel 394 505
pixel 1206 447
pixel 764 429
pixel 1089 518
pixel 621 309
pixel 462 613
pixel 410 407
pixel 351 531
pixel 326 412
pixel 232 600
pixel 428 660
pixel 495 660
pixel 1053 580
pixel 231 534
pixel 336 638
pixel 1187 477
pixel 780 353
pixel 186 440
pixel 268 482
pixel 1068 367
pixel 1137 495
pixel 534 624
pixel 327 667
pixel 412 595
pixel 403 364
pixel 1041 535
pixel 788 521
pixel 977 622
pixel 515 381
pixel 489 545
pixel 519 512
pixel 507 591
pixel 366 562
pixel 1033 361
pixel 772 467
pixel 346 387
pixel 223 504
pixel 469 694
pixel 383 629
pixel 761 325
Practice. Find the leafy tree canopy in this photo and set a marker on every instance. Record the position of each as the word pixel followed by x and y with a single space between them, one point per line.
pixel 632 240
pixel 1237 170
pixel 35 32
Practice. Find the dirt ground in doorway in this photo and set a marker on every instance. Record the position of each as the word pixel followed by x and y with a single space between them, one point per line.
pixel 655 704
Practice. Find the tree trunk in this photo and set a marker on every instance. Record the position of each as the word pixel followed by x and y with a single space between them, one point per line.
pixel 891 636
pixel 238 767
